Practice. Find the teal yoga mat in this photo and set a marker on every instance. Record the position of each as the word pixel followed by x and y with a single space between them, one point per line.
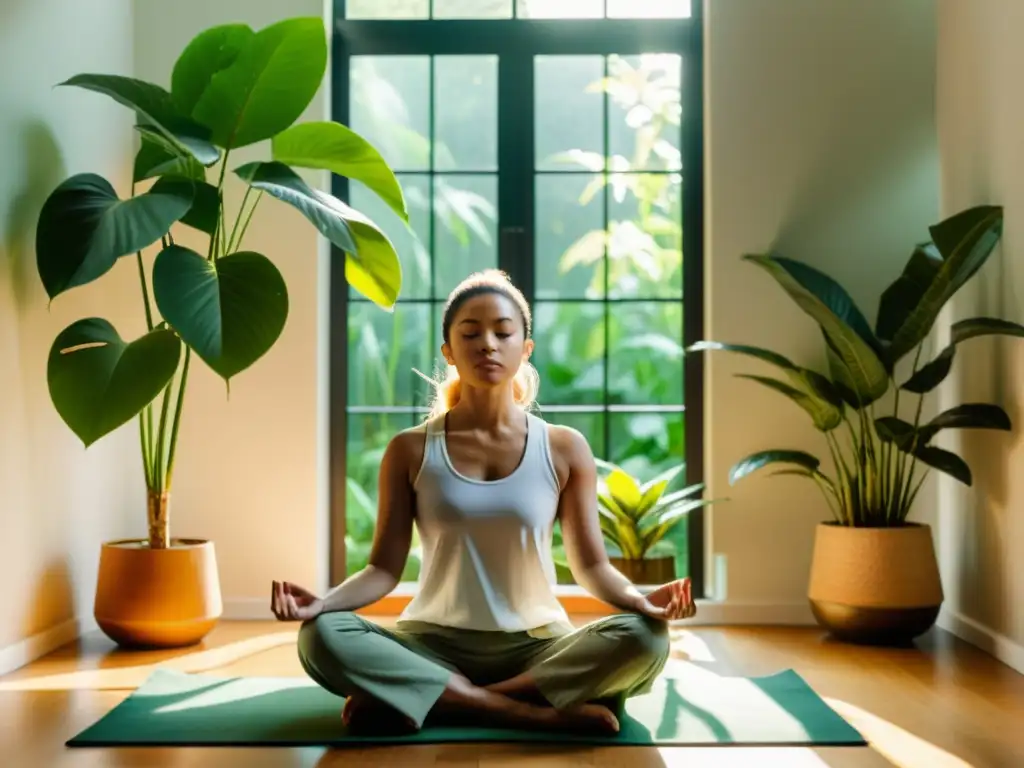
pixel 177 709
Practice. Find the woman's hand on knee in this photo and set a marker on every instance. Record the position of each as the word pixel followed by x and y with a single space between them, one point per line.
pixel 290 602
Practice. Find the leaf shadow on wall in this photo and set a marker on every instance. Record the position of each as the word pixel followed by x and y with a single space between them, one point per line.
pixel 44 169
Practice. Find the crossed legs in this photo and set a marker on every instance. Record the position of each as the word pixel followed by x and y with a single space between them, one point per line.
pixel 380 671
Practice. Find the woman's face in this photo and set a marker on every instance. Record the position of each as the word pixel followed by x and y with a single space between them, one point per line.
pixel 487 340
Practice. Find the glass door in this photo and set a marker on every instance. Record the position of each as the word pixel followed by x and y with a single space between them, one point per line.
pixel 554 150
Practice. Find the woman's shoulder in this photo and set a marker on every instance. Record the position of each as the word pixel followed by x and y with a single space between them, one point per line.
pixel 407 447
pixel 568 445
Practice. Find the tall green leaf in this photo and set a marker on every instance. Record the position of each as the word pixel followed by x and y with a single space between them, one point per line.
pixel 84 227
pixel 211 51
pixel 158 156
pixel 371 262
pixel 929 376
pixel 667 520
pixel 333 147
pixel 965 416
pixel 945 461
pixel 825 416
pixel 761 459
pixel 266 87
pixel 964 242
pixel 98 381
pixel 155 108
pixel 812 384
pixel 230 310
pixel 843 324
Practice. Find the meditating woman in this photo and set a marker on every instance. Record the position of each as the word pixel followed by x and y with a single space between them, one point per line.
pixel 484 481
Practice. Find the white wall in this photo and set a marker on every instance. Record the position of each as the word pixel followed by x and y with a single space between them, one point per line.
pixel 249 469
pixel 57 501
pixel 981 122
pixel 821 142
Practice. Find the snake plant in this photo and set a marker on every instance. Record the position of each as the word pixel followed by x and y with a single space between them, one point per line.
pixel 880 458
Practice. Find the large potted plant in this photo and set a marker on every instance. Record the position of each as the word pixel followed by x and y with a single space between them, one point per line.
pixel 637 518
pixel 874 576
pixel 231 87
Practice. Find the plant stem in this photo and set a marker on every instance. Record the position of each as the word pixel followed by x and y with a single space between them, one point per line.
pixel 903 480
pixel 172 449
pixel 238 219
pixel 248 218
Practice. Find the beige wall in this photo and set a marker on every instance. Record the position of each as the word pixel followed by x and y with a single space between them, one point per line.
pixel 822 142
pixel 981 124
pixel 57 501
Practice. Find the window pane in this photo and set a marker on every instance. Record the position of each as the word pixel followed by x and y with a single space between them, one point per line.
pixel 386 9
pixel 390 107
pixel 645 444
pixel 569 351
pixel 650 9
pixel 410 241
pixel 645 247
pixel 466 113
pixel 466 229
pixel 570 240
pixel 590 425
pixel 368 436
pixel 568 123
pixel 472 9
pixel 384 348
pixel 561 9
pixel 646 353
pixel 644 112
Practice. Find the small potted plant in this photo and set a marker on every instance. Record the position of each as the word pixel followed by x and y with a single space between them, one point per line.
pixel 636 520
pixel 231 87
pixel 874 576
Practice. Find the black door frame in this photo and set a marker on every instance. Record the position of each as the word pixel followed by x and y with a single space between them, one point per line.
pixel 516 42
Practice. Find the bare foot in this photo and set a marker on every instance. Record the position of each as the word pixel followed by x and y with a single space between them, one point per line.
pixel 588 718
pixel 363 714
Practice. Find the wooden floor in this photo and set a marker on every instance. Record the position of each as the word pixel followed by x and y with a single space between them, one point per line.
pixel 938 705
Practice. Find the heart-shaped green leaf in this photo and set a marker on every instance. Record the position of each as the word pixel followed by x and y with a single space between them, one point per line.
pixel 371 262
pixel 155 108
pixel 845 328
pixel 84 227
pixel 205 210
pixel 230 311
pixel 98 381
pixel 211 51
pixel 267 86
pixel 334 147
pixel 157 156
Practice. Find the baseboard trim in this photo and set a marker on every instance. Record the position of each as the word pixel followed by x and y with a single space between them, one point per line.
pixel 38 645
pixel 988 640
pixel 709 612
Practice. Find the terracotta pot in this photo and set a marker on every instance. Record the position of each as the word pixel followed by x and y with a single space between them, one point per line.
pixel 875 585
pixel 157 598
pixel 653 572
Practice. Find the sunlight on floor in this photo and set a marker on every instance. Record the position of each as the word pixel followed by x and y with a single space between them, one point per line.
pixel 127 677
pixel 899 746
pixel 706 691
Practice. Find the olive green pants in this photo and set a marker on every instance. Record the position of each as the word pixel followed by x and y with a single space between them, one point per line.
pixel 409 668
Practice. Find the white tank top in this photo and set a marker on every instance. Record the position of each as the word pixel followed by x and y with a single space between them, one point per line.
pixel 487 562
